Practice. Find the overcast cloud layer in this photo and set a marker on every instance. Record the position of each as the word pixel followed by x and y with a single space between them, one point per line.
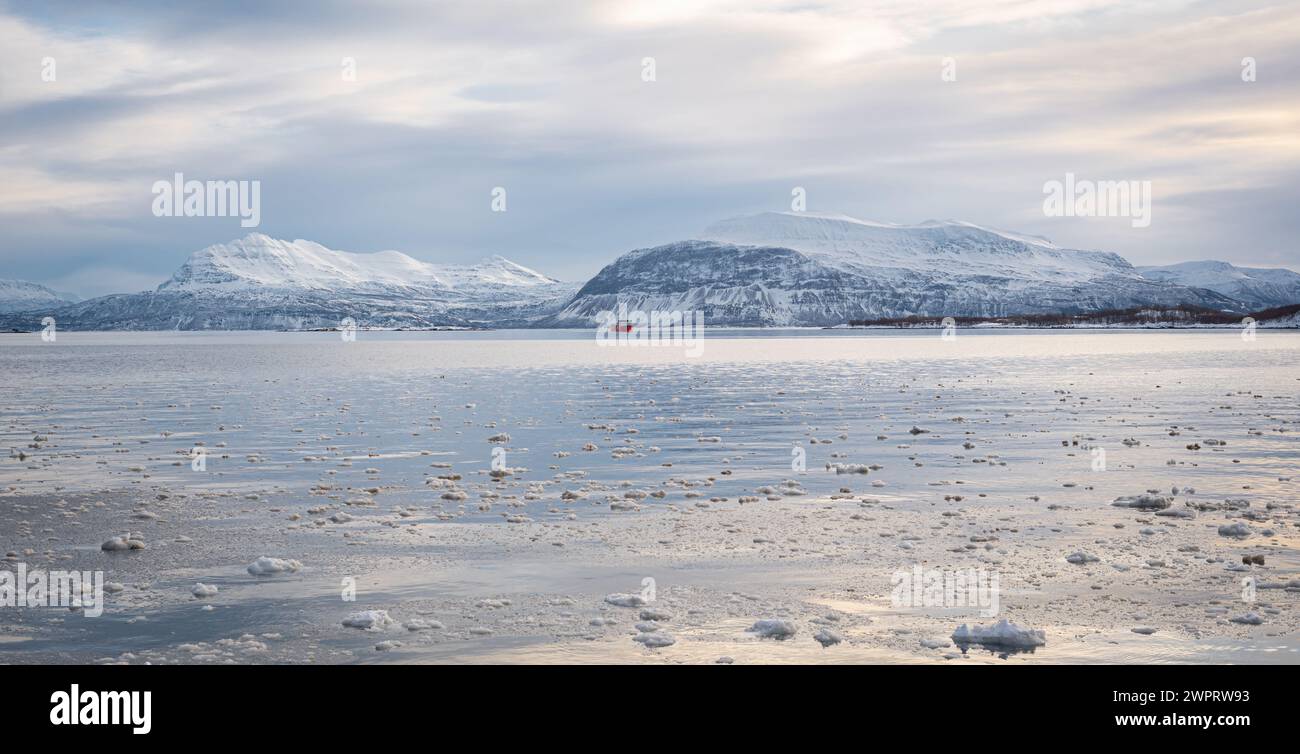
pixel 547 100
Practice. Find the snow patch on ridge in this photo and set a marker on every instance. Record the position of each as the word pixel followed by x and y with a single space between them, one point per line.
pixel 258 260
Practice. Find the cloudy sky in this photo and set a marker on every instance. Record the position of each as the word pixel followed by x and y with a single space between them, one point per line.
pixel 549 101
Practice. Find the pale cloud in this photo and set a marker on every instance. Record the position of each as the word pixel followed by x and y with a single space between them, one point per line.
pixel 451 99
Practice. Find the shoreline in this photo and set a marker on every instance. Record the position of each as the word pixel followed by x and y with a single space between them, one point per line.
pixel 711 586
pixel 518 495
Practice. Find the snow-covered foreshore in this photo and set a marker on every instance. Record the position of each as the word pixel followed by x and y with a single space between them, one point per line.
pixel 1130 497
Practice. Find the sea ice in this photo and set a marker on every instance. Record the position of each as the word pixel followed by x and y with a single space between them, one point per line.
pixel 655 640
pixel 773 628
pixel 1143 502
pixel 369 620
pixel 265 566
pixel 123 542
pixel 1004 633
pixel 827 637
pixel 202 590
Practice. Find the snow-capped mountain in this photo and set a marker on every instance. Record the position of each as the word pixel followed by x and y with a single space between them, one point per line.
pixel 258 261
pixel 770 269
pixel 259 282
pixel 1262 288
pixel 812 269
pixel 22 296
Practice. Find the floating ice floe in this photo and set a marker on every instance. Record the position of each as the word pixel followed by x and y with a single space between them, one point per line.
pixel 369 620
pixel 1081 558
pixel 773 628
pixel 1292 585
pixel 626 600
pixel 265 566
pixel 1143 502
pixel 123 542
pixel 827 637
pixel 1249 619
pixel 202 590
pixel 848 468
pixel 655 640
pixel 1004 633
pixel 1237 529
pixel 417 624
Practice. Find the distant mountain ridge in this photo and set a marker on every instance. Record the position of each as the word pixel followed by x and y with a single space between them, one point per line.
pixel 1259 287
pixel 261 283
pixel 22 296
pixel 769 269
pixel 807 269
pixel 258 261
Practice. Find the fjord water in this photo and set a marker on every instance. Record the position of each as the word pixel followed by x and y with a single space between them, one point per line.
pixel 994 430
pixel 283 396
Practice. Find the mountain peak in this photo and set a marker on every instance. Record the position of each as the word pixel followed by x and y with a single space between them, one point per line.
pixel 512 271
pixel 21 295
pixel 930 247
pixel 260 261
pixel 1257 286
pixel 829 227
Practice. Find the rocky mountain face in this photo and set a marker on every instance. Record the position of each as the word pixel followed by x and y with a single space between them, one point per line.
pixel 798 269
pixel 22 296
pixel 770 269
pixel 1260 288
pixel 261 283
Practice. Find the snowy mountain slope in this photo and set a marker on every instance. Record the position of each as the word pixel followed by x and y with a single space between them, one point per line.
pixel 772 269
pixel 258 261
pixel 259 282
pixel 935 247
pixel 1259 287
pixel 22 296
pixel 807 269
